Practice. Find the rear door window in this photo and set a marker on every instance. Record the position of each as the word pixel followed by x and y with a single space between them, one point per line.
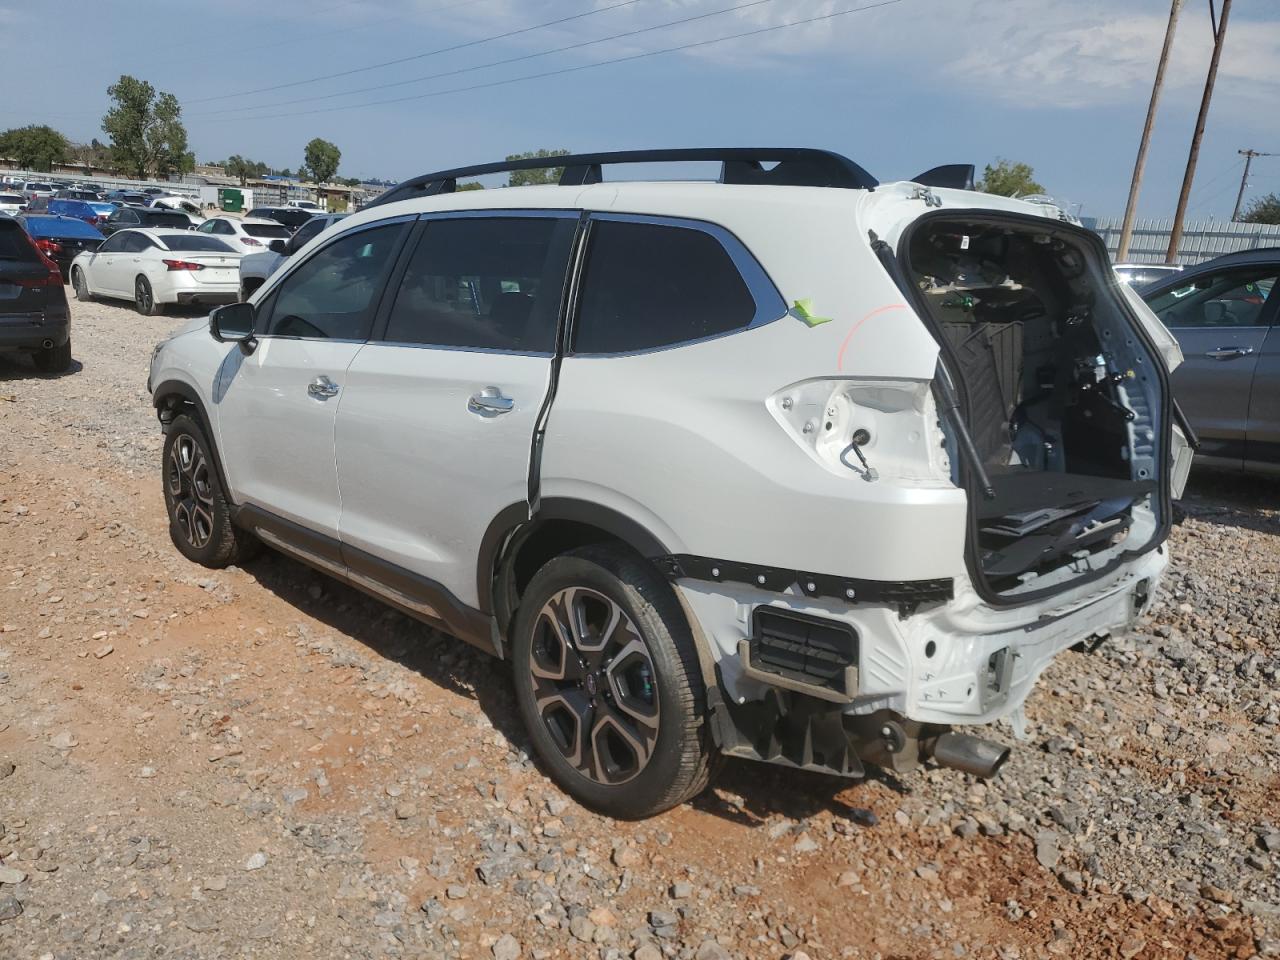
pixel 484 283
pixel 333 293
pixel 650 285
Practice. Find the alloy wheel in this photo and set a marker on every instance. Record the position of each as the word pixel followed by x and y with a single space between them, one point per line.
pixel 142 294
pixel 594 685
pixel 190 491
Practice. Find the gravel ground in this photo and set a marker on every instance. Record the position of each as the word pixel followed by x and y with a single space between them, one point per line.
pixel 259 762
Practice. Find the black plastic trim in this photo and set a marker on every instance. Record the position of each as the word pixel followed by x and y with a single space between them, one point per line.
pixel 179 388
pixel 907 594
pixel 969 480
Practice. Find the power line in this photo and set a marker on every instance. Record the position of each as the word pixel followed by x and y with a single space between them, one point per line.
pixel 585 66
pixel 495 63
pixel 420 56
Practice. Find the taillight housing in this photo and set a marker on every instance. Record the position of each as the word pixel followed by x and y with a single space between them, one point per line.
pixel 49 247
pixel 250 242
pixel 182 265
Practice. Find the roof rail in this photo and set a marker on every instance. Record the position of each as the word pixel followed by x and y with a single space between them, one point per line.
pixel 795 167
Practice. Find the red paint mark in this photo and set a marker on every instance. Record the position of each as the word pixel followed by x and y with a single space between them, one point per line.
pixel 854 329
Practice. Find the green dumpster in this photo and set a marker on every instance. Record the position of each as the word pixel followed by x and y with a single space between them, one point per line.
pixel 230 200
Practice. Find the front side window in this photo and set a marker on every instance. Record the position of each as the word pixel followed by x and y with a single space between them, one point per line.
pixel 333 293
pixel 652 285
pixel 484 283
pixel 1231 298
pixel 307 232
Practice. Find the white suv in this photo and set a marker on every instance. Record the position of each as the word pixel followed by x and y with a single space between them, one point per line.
pixel 791 466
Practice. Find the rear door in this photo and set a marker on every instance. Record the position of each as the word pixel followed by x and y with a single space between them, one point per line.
pixel 436 427
pixel 1221 321
pixel 275 406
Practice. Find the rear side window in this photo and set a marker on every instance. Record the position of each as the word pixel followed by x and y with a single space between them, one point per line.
pixel 333 293
pixel 653 285
pixel 263 230
pixel 488 284
pixel 156 219
pixel 13 243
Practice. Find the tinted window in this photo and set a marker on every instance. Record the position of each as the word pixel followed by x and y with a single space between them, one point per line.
pixel 275 231
pixel 11 198
pixel 13 243
pixel 113 243
pixel 648 286
pixel 484 284
pixel 136 243
pixel 125 215
pixel 1231 298
pixel 161 219
pixel 307 232
pixel 193 241
pixel 333 293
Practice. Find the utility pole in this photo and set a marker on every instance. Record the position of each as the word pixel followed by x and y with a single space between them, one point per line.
pixel 1131 208
pixel 1244 180
pixel 1219 35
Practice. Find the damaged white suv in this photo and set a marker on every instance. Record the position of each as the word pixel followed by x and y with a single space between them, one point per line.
pixel 792 466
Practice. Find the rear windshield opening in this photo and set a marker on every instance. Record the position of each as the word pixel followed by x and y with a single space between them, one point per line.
pixel 14 244
pixel 1063 397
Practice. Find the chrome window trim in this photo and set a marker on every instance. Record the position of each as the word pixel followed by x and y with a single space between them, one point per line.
pixel 770 306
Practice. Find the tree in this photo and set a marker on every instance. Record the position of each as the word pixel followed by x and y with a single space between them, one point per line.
pixel 286 172
pixel 1263 210
pixel 322 159
pixel 146 131
pixel 524 178
pixel 237 166
pixel 34 147
pixel 1009 179
pixel 473 185
pixel 91 156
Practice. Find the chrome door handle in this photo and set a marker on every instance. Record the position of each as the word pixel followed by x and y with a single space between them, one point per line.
pixel 322 388
pixel 1229 353
pixel 490 402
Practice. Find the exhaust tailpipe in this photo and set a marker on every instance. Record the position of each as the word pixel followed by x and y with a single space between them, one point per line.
pixel 982 758
pixel 47 343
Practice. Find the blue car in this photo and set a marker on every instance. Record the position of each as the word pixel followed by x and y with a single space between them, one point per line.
pixel 60 239
pixel 59 207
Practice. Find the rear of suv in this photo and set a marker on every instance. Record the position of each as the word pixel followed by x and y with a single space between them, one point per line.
pixel 34 315
pixel 792 466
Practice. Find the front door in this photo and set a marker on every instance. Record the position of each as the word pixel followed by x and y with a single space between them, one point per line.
pixel 1262 435
pixel 1221 321
pixel 276 405
pixel 436 427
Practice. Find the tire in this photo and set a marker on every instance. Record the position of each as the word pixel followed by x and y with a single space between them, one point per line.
pixel 80 285
pixel 54 359
pixel 199 513
pixel 144 299
pixel 616 708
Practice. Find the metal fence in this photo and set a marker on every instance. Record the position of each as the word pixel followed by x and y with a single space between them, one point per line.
pixel 177 188
pixel 1201 239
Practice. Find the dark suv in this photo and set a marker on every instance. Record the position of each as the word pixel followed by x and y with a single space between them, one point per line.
pixel 33 304
pixel 291 217
pixel 125 217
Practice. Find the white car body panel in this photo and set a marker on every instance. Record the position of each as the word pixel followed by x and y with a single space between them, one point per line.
pixel 113 274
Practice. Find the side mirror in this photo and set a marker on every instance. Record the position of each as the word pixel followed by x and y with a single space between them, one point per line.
pixel 280 247
pixel 234 324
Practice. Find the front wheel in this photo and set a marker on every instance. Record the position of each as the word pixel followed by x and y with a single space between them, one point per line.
pixel 199 514
pixel 609 686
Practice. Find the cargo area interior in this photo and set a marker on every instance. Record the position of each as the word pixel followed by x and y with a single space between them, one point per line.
pixel 1058 389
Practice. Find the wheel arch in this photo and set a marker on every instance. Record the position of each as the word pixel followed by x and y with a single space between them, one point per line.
pixel 173 397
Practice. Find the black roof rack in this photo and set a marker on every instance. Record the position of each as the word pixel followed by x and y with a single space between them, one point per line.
pixel 794 167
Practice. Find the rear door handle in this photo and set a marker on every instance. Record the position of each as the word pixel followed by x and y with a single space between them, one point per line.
pixel 322 388
pixel 1229 353
pixel 490 402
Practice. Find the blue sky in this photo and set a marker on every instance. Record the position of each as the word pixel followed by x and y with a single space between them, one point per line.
pixel 1061 84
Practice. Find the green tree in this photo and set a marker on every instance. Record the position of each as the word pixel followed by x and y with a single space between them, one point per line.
pixel 322 159
pixel 242 169
pixel 473 185
pixel 524 178
pixel 1009 179
pixel 1263 210
pixel 34 147
pixel 146 131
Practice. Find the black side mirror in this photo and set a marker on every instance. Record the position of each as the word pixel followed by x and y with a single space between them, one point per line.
pixel 279 246
pixel 234 324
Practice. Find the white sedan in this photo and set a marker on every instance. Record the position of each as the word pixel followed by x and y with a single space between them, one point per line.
pixel 250 235
pixel 157 267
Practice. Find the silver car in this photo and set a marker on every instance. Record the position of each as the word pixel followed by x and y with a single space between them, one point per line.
pixel 1224 314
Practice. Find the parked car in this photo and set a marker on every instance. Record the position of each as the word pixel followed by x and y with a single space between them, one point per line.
pixel 89 196
pixel 291 217
pixel 185 204
pixel 128 198
pixel 11 203
pixel 249 235
pixel 125 217
pixel 777 467
pixel 1226 315
pixel 36 188
pixel 58 207
pixel 34 315
pixel 310 206
pixel 155 268
pixel 256 267
pixel 1139 275
pixel 60 238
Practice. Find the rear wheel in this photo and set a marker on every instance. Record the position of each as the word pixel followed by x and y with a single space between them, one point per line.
pixel 53 359
pixel 199 514
pixel 609 685
pixel 144 299
pixel 81 286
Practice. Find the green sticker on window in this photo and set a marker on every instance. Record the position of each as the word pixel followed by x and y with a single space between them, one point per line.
pixel 804 310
